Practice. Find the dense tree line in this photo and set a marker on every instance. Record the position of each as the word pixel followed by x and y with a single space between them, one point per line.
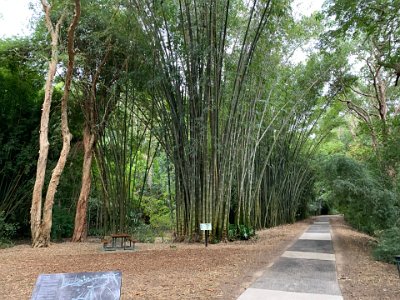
pixel 362 179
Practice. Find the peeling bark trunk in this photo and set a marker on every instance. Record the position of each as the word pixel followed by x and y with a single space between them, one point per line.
pixel 41 227
pixel 92 130
pixel 80 229
pixel 36 208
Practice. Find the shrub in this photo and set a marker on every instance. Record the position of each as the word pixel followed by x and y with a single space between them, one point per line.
pixel 160 224
pixel 240 232
pixel 7 231
pixel 366 202
pixel 96 232
pixel 143 233
pixel 388 245
pixel 232 232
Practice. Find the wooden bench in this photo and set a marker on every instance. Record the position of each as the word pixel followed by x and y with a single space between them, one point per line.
pixel 107 245
pixel 132 243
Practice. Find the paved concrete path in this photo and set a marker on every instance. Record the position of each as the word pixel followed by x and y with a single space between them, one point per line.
pixel 305 271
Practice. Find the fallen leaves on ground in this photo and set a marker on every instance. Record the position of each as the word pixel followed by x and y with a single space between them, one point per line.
pixel 152 271
pixel 359 275
pixel 191 271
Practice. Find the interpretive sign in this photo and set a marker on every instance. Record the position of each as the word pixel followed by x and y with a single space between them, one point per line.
pixel 205 226
pixel 87 285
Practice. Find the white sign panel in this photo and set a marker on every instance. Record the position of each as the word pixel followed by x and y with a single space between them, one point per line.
pixel 205 226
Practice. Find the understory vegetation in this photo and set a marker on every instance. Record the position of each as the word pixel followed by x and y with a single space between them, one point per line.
pixel 154 117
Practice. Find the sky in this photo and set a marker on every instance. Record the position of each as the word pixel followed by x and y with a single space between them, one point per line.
pixel 16 14
pixel 305 7
pixel 14 17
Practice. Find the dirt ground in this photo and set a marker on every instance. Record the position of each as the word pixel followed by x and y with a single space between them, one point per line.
pixel 359 275
pixel 191 271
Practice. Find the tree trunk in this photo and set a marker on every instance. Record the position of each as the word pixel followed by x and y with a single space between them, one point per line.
pixel 36 208
pixel 93 128
pixel 41 228
pixel 80 230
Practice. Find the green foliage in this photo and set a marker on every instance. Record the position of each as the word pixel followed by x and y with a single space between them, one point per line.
pixel 240 232
pixel 158 213
pixel 359 194
pixel 377 19
pixel 320 206
pixel 153 221
pixel 21 82
pixel 232 232
pixel 136 179
pixel 20 85
pixel 63 223
pixel 161 223
pixel 7 231
pixel 389 245
pixel 144 233
pixel 146 228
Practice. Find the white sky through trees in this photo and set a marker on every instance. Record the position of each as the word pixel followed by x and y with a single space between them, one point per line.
pixel 15 15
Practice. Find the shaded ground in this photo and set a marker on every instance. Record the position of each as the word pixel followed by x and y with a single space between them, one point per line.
pixel 359 276
pixel 191 271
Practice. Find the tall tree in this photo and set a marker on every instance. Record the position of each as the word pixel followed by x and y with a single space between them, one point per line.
pixel 369 88
pixel 41 225
pixel 104 57
pixel 375 21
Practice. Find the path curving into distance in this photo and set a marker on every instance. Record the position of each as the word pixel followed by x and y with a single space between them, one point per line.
pixel 306 270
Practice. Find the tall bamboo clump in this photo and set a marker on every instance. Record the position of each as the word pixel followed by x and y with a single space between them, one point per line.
pixel 198 100
pixel 217 117
pixel 118 158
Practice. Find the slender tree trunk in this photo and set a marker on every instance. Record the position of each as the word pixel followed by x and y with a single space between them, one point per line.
pixel 41 228
pixel 80 229
pixel 91 133
pixel 36 208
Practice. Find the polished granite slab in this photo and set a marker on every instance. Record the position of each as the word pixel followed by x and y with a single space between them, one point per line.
pixel 86 285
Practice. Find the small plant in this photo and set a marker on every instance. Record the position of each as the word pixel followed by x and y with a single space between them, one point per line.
pixel 160 224
pixel 240 232
pixel 7 231
pixel 96 232
pixel 232 232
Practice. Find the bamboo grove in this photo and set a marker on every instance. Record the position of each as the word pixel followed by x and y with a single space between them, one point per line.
pixel 238 143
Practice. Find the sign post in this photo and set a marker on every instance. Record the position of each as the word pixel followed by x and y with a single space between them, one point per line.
pixel 206 227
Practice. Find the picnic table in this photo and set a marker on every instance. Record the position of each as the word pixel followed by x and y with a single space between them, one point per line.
pixel 123 237
pixel 119 240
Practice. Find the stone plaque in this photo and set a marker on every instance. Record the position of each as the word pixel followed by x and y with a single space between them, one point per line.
pixel 82 286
